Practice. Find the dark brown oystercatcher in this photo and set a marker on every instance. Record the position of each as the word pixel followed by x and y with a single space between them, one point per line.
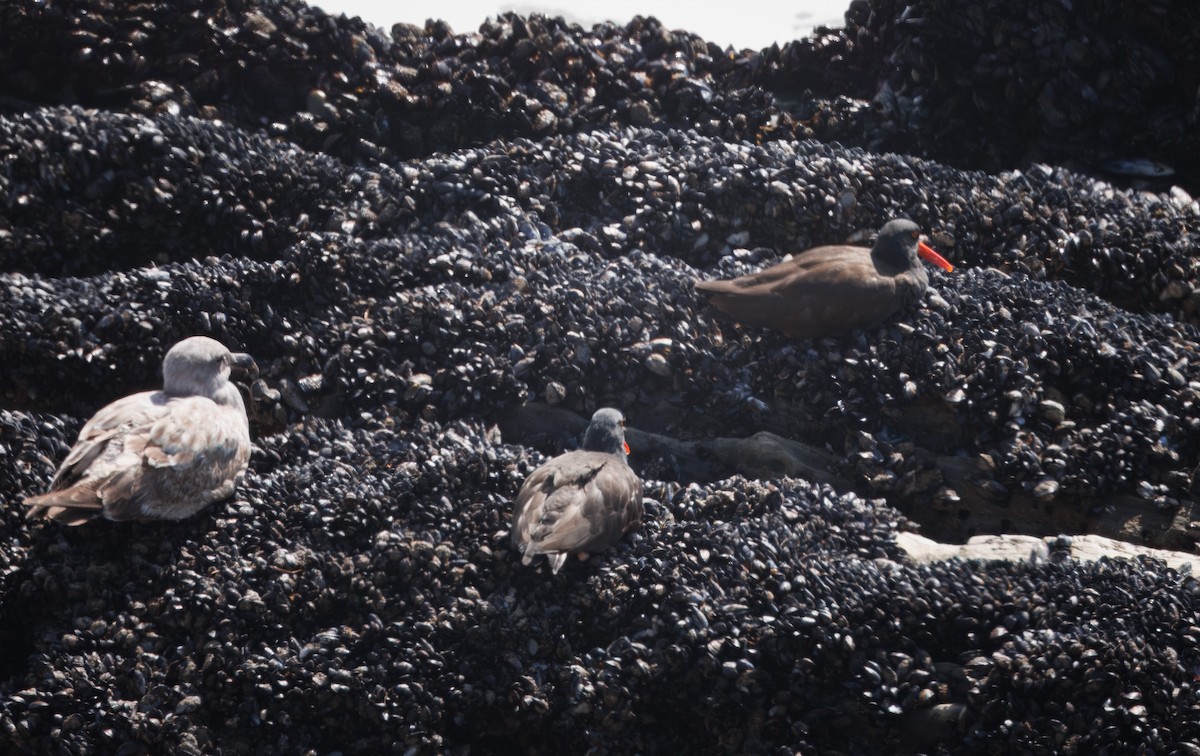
pixel 582 501
pixel 831 290
pixel 158 455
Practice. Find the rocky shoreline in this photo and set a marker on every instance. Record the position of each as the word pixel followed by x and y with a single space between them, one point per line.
pixel 446 250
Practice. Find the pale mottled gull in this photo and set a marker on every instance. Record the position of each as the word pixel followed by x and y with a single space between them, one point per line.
pixel 158 455
pixel 582 501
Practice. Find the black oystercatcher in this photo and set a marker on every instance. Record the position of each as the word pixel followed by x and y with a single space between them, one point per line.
pixel 158 455
pixel 827 291
pixel 582 501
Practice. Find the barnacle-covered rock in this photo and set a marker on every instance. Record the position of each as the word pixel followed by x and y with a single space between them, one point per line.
pixel 1105 86
pixel 426 239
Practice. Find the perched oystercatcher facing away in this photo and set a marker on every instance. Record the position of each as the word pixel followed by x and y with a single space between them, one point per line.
pixel 580 502
pixel 158 455
pixel 827 291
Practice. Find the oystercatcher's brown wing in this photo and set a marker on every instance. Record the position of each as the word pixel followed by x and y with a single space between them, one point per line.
pixel 826 291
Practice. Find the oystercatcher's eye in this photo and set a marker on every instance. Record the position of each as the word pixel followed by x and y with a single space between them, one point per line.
pixel 916 234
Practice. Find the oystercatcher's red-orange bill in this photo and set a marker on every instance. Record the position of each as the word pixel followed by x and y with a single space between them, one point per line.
pixel 626 444
pixel 926 252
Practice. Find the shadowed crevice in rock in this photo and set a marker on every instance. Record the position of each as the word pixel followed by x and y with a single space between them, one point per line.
pixel 967 503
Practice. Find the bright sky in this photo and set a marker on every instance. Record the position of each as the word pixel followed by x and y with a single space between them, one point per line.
pixel 740 23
